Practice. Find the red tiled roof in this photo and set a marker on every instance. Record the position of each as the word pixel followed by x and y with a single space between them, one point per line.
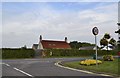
pixel 48 44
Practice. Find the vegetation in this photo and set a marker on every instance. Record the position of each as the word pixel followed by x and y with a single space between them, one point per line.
pixel 75 52
pixel 108 58
pixel 24 47
pixel 90 62
pixel 77 45
pixel 107 40
pixel 108 67
pixel 17 53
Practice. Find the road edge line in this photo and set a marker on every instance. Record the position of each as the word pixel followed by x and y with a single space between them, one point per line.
pixel 57 64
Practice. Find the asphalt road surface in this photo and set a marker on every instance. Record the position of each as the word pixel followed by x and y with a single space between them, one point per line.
pixel 39 67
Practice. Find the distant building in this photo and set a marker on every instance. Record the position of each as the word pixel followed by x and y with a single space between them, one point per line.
pixel 110 47
pixel 35 46
pixel 51 44
pixel 88 48
pixel 105 48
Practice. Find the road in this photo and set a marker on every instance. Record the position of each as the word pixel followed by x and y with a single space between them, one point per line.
pixel 39 67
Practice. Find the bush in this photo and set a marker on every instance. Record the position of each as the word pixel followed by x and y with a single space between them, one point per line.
pixel 17 53
pixel 75 52
pixel 108 58
pixel 89 62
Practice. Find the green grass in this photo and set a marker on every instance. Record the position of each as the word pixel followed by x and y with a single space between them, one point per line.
pixel 107 67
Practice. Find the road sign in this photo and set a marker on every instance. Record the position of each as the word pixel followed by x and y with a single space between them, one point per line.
pixel 95 31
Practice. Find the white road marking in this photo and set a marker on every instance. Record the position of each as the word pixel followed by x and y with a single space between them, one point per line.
pixel 6 64
pixel 2 63
pixel 22 72
pixel 19 70
pixel 57 64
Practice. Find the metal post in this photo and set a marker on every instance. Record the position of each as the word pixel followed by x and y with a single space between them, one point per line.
pixel 96 49
pixel 95 32
pixel 118 36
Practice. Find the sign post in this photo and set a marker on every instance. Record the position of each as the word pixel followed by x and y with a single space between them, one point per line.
pixel 95 32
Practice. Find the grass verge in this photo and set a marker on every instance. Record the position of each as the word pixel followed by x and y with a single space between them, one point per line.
pixel 107 67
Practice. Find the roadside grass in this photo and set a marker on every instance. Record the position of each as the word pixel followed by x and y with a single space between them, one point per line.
pixel 107 67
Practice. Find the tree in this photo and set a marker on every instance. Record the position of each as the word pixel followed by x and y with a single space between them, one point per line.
pixel 25 47
pixel 112 42
pixel 74 45
pixel 77 45
pixel 103 42
pixel 107 36
pixel 106 40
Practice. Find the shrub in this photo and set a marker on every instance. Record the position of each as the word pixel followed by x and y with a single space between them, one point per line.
pixel 75 52
pixel 17 53
pixel 108 58
pixel 90 62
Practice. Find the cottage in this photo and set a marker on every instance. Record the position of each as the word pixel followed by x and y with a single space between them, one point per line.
pixel 51 44
pixel 35 46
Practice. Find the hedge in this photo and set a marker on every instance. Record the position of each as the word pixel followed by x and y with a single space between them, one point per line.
pixel 17 53
pixel 29 53
pixel 75 52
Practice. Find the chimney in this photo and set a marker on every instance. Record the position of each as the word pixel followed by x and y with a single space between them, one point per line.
pixel 40 37
pixel 65 39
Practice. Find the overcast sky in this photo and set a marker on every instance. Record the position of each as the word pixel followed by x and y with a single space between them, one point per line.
pixel 23 22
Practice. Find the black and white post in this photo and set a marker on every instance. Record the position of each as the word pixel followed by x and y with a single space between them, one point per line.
pixel 118 32
pixel 95 32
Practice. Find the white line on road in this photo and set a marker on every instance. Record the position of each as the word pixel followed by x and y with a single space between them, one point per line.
pixel 57 64
pixel 22 72
pixel 6 64
pixel 19 70
pixel 1 63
